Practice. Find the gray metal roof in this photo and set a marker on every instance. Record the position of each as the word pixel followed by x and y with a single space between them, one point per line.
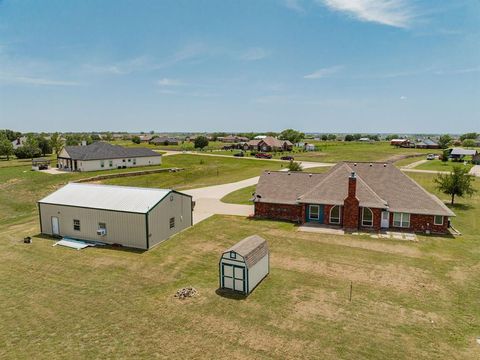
pixel 107 197
pixel 465 152
pixel 252 249
pixel 103 151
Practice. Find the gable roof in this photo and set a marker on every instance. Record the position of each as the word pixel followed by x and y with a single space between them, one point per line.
pixel 163 139
pixel 465 152
pixel 378 186
pixel 107 197
pixel 274 142
pixel 252 249
pixel 104 151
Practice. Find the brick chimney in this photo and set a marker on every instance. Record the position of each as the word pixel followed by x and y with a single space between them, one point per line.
pixel 351 205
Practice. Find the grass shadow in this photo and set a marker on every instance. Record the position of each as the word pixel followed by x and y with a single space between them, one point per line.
pixel 462 207
pixel 230 294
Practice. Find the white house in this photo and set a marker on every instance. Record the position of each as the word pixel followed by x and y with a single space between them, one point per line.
pixel 104 156
pixel 129 216
pixel 19 142
pixel 244 265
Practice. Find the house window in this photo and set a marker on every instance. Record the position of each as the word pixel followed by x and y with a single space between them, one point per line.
pixel 233 255
pixel 102 163
pixel 129 160
pixel 335 215
pixel 314 213
pixel 76 225
pixel 367 217
pixel 172 222
pixel 102 226
pixel 134 161
pixel 438 220
pixel 110 163
pixel 401 220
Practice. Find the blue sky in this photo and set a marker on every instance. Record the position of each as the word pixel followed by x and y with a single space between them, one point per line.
pixel 315 65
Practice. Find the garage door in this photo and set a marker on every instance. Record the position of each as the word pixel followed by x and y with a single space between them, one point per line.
pixel 233 277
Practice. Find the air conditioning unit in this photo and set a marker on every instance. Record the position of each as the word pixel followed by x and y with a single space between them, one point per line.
pixel 101 232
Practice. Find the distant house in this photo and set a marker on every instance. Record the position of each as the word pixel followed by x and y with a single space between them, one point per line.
pixel 309 147
pixel 260 137
pixel 233 139
pixel 129 216
pixel 427 144
pixel 145 138
pixel 104 156
pixel 352 196
pixel 364 139
pixel 458 154
pixel 164 140
pixel 404 143
pixel 269 144
pixel 19 142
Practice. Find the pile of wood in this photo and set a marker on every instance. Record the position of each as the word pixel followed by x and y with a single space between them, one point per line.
pixel 186 292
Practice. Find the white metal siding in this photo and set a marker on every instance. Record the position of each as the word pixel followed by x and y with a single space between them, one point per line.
pixel 128 229
pixel 257 272
pixel 173 205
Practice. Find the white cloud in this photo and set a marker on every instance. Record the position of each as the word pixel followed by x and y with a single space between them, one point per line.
pixel 396 13
pixel 37 81
pixel 403 98
pixel 253 54
pixel 294 5
pixel 322 73
pixel 169 82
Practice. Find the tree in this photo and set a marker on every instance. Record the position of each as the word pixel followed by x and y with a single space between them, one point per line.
pixel 324 137
pixel 44 145
pixel 468 143
pixel 472 135
pixel 6 147
pixel 56 143
pixel 391 137
pixel 457 183
pixel 107 136
pixel 95 137
pixel 445 155
pixel 444 141
pixel 10 134
pixel 73 140
pixel 200 142
pixel 29 150
pixel 136 139
pixel 291 135
pixel 332 137
pixel 349 138
pixel 295 166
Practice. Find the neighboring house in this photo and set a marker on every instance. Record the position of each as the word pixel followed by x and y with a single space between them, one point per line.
pixel 404 143
pixel 133 217
pixel 233 139
pixel 104 156
pixel 365 139
pixel 164 140
pixel 145 138
pixel 19 142
pixel 427 144
pixel 269 144
pixel 309 147
pixel 367 196
pixel 251 145
pixel 459 154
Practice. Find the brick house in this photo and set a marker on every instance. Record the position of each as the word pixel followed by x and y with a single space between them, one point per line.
pixel 268 144
pixel 353 196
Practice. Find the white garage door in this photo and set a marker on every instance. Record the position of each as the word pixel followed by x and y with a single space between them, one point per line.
pixel 233 277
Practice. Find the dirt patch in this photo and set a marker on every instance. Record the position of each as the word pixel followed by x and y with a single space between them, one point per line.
pixel 461 274
pixel 396 277
pixel 346 240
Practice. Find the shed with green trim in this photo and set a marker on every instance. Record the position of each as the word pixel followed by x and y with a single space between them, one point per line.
pixel 244 265
pixel 129 216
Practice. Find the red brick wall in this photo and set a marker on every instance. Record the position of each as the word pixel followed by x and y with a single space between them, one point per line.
pixel 422 223
pixel 288 212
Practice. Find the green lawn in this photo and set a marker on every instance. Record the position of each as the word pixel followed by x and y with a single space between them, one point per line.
pixel 439 165
pixel 241 196
pixel 411 300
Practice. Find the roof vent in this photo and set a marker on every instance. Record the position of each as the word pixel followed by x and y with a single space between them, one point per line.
pixel 289 173
pixel 371 164
pixel 384 165
pixel 268 172
pixel 310 175
pixel 354 164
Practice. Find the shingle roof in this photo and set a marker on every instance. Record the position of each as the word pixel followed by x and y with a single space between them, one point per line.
pixel 107 197
pixel 378 186
pixel 163 139
pixel 274 142
pixel 252 249
pixel 104 151
pixel 285 188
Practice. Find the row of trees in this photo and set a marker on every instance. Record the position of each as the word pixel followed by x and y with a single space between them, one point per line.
pixel 34 146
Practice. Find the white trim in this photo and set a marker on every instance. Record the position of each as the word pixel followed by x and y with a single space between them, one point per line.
pixel 371 212
pixel 339 215
pixel 310 212
pixel 435 220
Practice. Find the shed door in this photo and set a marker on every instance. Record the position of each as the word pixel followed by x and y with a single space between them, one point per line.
pixel 55 226
pixel 233 277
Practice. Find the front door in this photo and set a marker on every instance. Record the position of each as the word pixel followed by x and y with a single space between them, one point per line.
pixel 315 213
pixel 55 226
pixel 385 219
pixel 233 277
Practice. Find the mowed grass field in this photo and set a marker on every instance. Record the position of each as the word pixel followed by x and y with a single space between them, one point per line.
pixel 438 165
pixel 411 300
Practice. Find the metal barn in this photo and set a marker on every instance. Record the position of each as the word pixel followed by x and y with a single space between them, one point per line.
pixel 244 265
pixel 129 216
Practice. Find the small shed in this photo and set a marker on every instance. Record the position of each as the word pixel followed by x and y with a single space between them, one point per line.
pixel 40 164
pixel 244 265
